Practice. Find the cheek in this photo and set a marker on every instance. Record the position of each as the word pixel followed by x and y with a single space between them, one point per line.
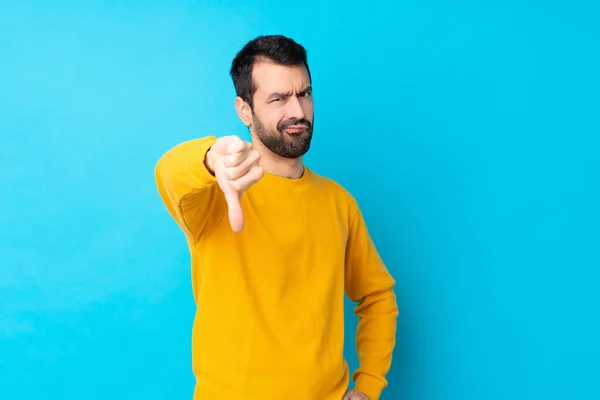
pixel 273 118
pixel 308 108
pixel 268 118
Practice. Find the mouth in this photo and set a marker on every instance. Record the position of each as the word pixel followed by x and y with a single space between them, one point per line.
pixel 295 129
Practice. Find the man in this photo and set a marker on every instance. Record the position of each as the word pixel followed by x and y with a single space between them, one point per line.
pixel 274 247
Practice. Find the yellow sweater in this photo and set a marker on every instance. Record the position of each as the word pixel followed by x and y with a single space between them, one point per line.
pixel 269 322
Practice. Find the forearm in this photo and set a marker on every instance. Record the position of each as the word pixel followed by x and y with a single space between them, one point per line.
pixel 186 184
pixel 375 341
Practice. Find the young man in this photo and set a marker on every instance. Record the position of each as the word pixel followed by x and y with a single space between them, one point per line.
pixel 274 247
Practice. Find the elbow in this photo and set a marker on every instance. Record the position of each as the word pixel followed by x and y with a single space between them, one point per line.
pixel 164 170
pixel 380 302
pixel 161 164
pixel 159 173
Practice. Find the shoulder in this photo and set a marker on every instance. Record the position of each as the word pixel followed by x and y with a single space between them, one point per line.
pixel 335 191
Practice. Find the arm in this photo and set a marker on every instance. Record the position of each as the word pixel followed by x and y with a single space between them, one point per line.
pixel 188 188
pixel 369 283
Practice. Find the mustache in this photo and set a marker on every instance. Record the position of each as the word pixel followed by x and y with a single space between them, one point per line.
pixel 294 122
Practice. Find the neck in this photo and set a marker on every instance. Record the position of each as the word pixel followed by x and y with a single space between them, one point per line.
pixel 291 168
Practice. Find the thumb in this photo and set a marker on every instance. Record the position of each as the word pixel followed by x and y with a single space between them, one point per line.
pixel 236 216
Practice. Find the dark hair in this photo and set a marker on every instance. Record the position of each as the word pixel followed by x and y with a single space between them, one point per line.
pixel 274 48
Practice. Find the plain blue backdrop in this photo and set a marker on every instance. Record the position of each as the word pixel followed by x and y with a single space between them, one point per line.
pixel 467 130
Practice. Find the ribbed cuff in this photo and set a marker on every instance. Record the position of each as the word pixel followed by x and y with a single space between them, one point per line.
pixel 198 166
pixel 370 386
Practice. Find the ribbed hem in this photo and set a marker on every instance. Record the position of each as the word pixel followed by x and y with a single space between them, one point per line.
pixel 370 386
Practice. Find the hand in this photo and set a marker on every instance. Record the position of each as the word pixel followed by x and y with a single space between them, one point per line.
pixel 235 165
pixel 354 395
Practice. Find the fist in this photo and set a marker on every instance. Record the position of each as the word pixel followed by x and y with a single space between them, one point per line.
pixel 235 165
pixel 354 395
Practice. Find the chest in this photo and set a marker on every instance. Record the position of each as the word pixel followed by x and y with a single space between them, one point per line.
pixel 295 233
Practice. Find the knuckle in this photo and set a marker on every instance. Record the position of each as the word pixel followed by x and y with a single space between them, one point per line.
pixel 235 185
pixel 239 142
pixel 233 144
pixel 230 160
pixel 260 172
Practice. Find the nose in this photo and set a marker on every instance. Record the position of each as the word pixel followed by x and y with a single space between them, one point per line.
pixel 294 108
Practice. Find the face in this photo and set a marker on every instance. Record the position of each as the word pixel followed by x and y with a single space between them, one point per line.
pixel 282 115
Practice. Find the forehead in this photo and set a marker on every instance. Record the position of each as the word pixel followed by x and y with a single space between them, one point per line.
pixel 269 77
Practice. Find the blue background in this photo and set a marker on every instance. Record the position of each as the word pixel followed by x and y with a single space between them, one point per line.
pixel 468 131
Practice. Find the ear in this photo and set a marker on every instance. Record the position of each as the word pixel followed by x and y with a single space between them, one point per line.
pixel 243 111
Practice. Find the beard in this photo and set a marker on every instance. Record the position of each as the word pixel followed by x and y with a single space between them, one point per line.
pixel 281 143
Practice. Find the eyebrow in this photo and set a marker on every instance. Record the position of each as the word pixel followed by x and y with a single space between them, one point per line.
pixel 287 94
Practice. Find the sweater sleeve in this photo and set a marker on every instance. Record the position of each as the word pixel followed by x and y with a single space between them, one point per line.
pixel 188 190
pixel 369 283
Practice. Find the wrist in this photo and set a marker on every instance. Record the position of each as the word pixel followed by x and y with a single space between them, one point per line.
pixel 209 161
pixel 369 386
